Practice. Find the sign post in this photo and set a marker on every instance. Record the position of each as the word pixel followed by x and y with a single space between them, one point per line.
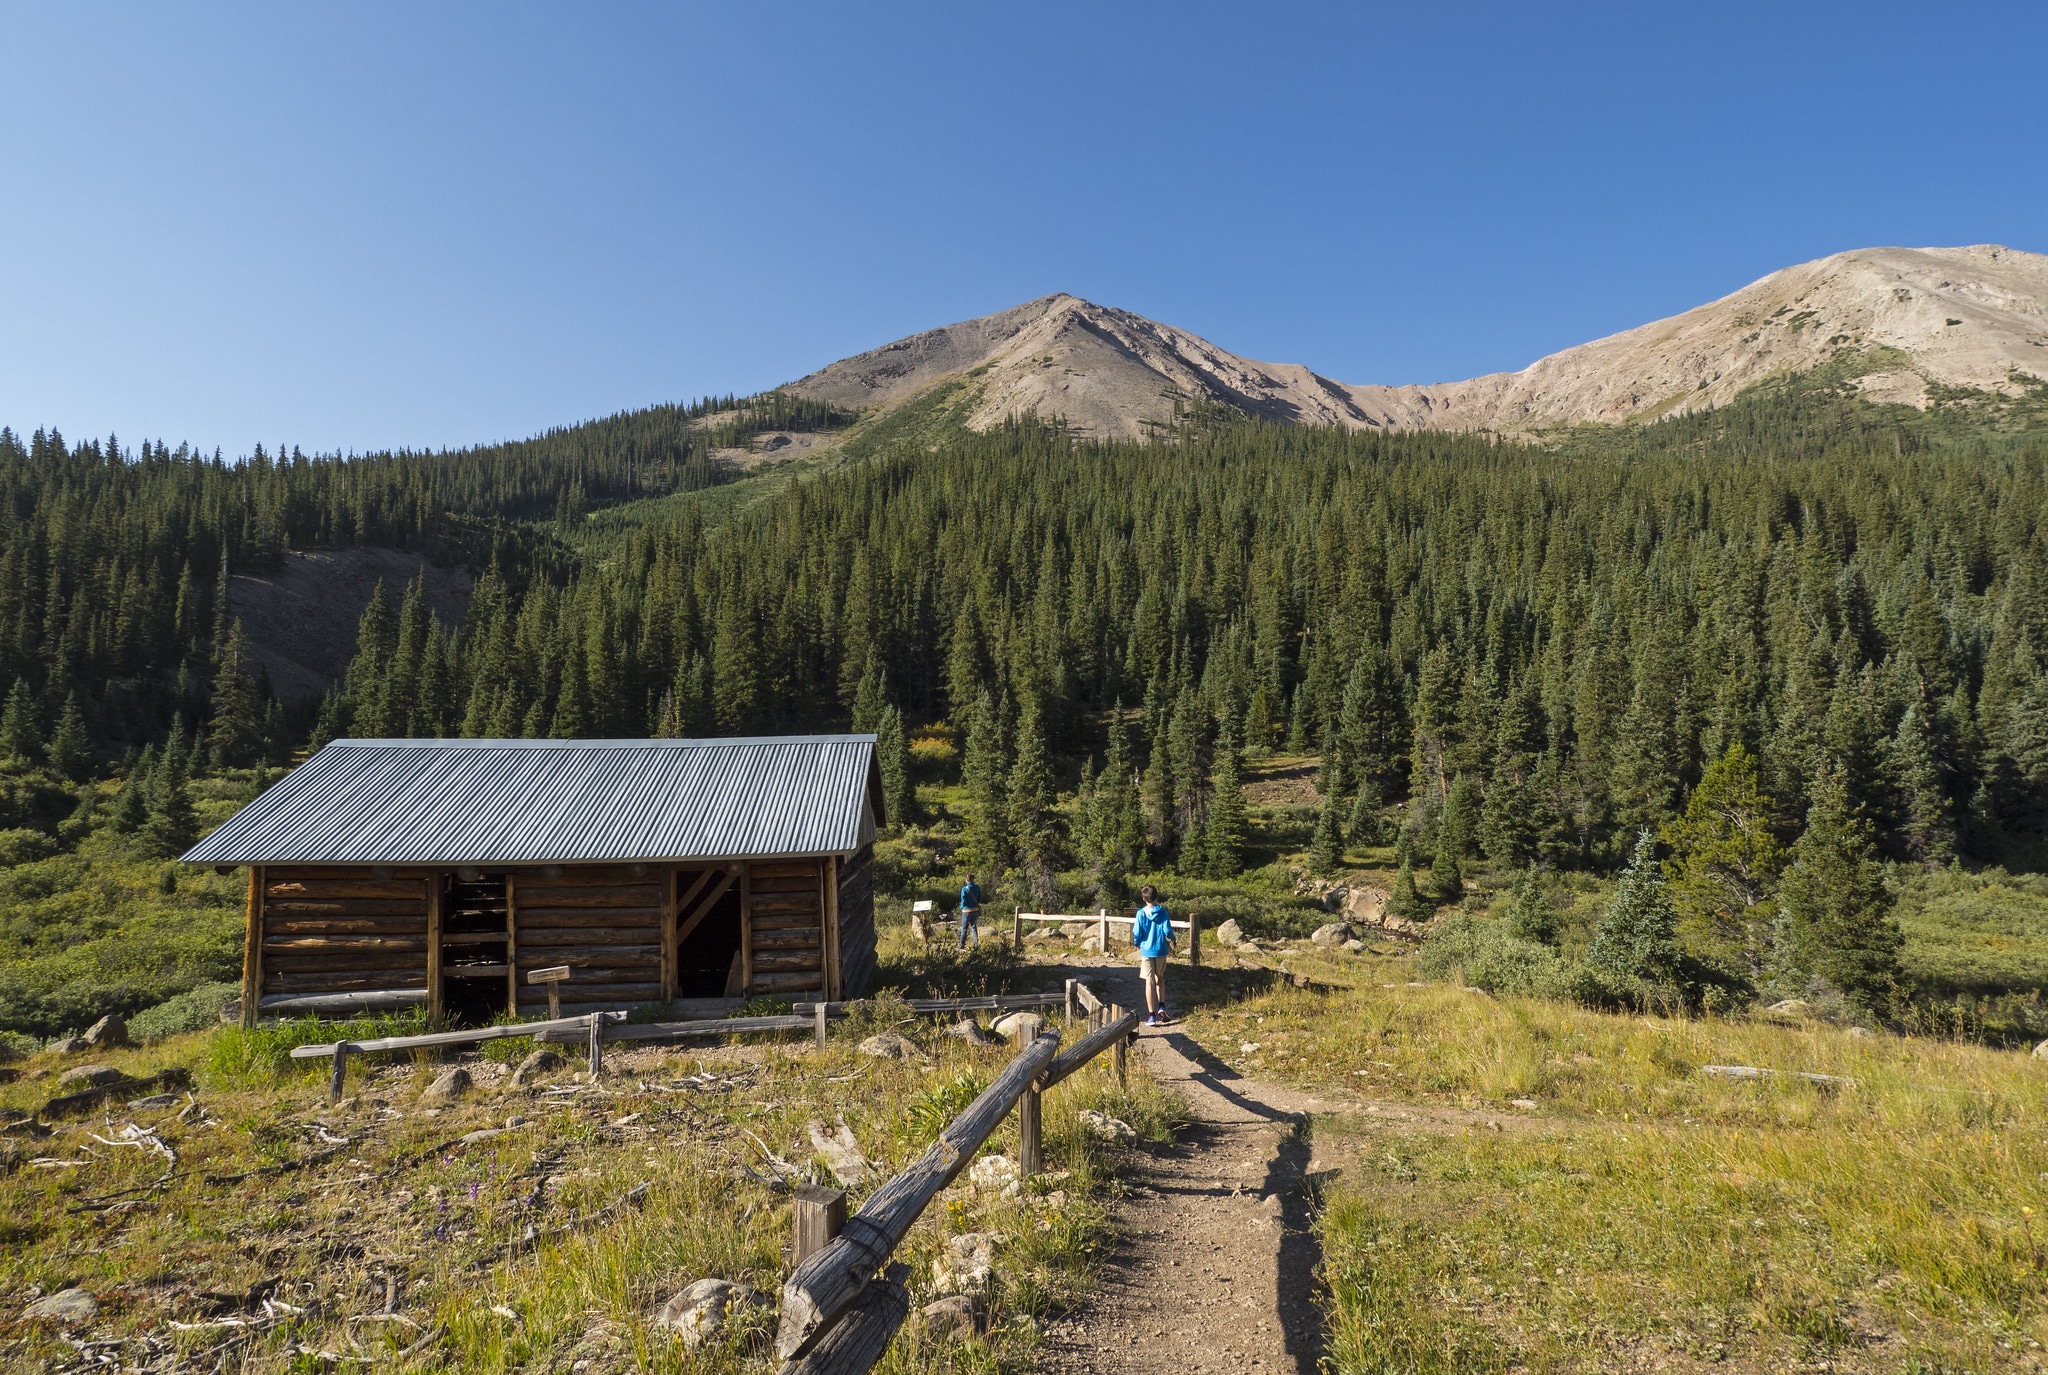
pixel 553 979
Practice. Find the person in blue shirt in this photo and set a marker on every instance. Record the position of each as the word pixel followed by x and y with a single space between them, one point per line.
pixel 970 911
pixel 1152 934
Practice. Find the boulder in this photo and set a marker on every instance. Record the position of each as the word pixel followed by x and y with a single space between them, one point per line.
pixel 1008 1025
pixel 109 1031
pixel 1332 935
pixel 72 1045
pixel 969 1030
pixel 1790 1007
pixel 542 1061
pixel 1071 929
pixel 919 929
pixel 951 1318
pixel 1862 1031
pixel 1333 901
pixel 965 1265
pixel 88 1077
pixel 993 1174
pixel 1354 947
pixel 1365 906
pixel 67 1306
pixel 451 1084
pixel 887 1045
pixel 1230 933
pixel 2041 1051
pixel 703 1309
pixel 1093 945
pixel 1107 1128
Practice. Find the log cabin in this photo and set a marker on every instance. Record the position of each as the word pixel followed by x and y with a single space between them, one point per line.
pixel 442 873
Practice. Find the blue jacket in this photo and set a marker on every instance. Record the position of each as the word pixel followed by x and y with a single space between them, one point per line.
pixel 970 895
pixel 1152 931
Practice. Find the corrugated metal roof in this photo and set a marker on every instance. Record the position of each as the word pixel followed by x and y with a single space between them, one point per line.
pixel 559 801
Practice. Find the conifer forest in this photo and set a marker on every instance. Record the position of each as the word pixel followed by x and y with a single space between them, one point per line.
pixel 1769 653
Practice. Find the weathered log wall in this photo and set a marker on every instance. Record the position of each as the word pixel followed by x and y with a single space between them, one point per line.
pixel 602 920
pixel 857 923
pixel 342 930
pixel 786 926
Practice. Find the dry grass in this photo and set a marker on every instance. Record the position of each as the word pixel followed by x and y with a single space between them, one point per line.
pixel 1644 1214
pixel 401 1200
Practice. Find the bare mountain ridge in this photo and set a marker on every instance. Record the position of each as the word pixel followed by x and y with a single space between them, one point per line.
pixel 1957 317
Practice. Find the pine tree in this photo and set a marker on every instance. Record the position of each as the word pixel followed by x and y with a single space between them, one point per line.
pixel 1033 827
pixel 131 806
pixel 1724 866
pixel 1926 817
pixel 870 698
pixel 236 731
pixel 1366 826
pixel 1119 814
pixel 1460 826
pixel 172 825
pixel 1447 869
pixel 1406 901
pixel 1531 915
pixel 892 757
pixel 1225 832
pixel 1637 938
pixel 1326 847
pixel 985 769
pixel 71 746
pixel 21 736
pixel 1835 923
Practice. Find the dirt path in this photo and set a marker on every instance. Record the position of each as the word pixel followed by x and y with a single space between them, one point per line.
pixel 1216 1265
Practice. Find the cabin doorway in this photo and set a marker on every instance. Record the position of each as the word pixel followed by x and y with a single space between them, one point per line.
pixel 707 930
pixel 475 934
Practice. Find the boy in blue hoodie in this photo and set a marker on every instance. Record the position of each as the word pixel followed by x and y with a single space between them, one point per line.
pixel 1152 934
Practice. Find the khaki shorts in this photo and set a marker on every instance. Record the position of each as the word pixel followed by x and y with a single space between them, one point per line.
pixel 1151 966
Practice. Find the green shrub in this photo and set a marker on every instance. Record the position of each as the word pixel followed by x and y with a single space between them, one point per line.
pixel 239 1055
pixel 1486 954
pixel 193 1011
pixel 24 846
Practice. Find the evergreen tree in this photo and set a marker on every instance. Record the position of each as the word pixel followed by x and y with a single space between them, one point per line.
pixel 1460 825
pixel 1032 830
pixel 1446 869
pixel 1637 938
pixel 1119 814
pixel 870 697
pixel 1225 833
pixel 236 731
pixel 1367 826
pixel 1326 847
pixel 21 735
pixel 71 746
pixel 1724 866
pixel 171 825
pixel 1406 902
pixel 985 769
pixel 1835 925
pixel 131 805
pixel 1531 915
pixel 1926 817
pixel 892 756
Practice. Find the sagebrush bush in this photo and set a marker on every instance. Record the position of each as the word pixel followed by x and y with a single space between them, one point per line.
pixel 1484 953
pixel 193 1011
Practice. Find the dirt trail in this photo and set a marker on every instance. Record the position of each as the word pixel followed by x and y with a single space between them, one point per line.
pixel 1216 1265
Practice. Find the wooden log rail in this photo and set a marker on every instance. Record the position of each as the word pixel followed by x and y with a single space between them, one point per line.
pixel 1102 921
pixel 841 1306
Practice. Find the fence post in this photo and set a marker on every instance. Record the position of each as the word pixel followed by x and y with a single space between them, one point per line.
pixel 1017 931
pixel 341 1050
pixel 819 1213
pixel 1073 1008
pixel 1028 1152
pixel 1102 930
pixel 1194 938
pixel 596 1044
pixel 1121 1048
pixel 818 1011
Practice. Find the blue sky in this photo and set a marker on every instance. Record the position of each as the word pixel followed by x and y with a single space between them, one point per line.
pixel 358 226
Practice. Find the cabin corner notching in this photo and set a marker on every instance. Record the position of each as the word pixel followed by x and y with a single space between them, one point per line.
pixel 442 873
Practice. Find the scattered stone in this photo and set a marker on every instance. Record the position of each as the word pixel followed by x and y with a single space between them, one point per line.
pixel 1861 1031
pixel 481 1135
pixel 452 1084
pixel 1007 1025
pixel 109 1032
pixel 2041 1051
pixel 67 1306
pixel 1230 933
pixel 1525 1104
pixel 9 1051
pixel 702 1310
pixel 1093 945
pixel 72 1045
pixel 841 1152
pixel 1790 1007
pixel 1334 934
pixel 1354 947
pixel 88 1077
pixel 950 1318
pixel 887 1045
pixel 514 1121
pixel 995 1174
pixel 965 1265
pixel 1071 929
pixel 970 1031
pixel 1301 980
pixel 155 1100
pixel 541 1062
pixel 1108 1128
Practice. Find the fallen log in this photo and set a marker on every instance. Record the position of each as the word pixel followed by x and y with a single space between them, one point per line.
pixel 580 1025
pixel 1086 1049
pixel 823 1286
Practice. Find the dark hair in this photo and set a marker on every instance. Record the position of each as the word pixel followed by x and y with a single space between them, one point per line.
pixel 1148 891
pixel 970 876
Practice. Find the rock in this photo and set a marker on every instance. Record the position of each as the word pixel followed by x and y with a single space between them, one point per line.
pixel 887 1045
pixel 88 1077
pixel 1332 935
pixel 67 1306
pixel 919 931
pixel 155 1100
pixel 840 1151
pixel 965 1265
pixel 1007 1025
pixel 1790 1007
pixel 703 1309
pixel 72 1045
pixel 969 1030
pixel 1093 945
pixel 1071 929
pixel 1230 933
pixel 1333 901
pixel 2041 1051
pixel 1862 1031
pixel 1107 1128
pixel 1525 1104
pixel 452 1084
pixel 950 1318
pixel 1300 980
pixel 109 1031
pixel 542 1061
pixel 1354 947
pixel 993 1174
pixel 9 1051
pixel 1366 906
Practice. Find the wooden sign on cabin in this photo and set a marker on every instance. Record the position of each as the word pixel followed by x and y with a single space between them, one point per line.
pixel 393 873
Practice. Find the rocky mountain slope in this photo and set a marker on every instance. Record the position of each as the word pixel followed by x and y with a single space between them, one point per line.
pixel 1902 321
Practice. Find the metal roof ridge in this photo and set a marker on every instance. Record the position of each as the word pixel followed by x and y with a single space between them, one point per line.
pixel 628 742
